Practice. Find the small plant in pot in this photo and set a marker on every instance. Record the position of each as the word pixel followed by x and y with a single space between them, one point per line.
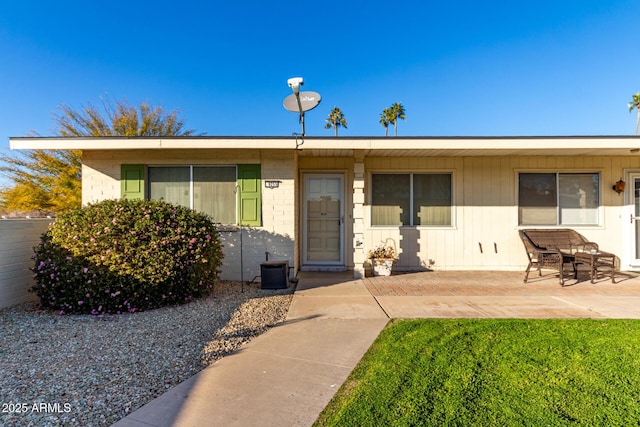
pixel 383 257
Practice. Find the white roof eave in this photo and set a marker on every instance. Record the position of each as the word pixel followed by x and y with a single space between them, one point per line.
pixel 605 145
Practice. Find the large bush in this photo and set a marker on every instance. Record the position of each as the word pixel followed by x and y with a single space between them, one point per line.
pixel 125 256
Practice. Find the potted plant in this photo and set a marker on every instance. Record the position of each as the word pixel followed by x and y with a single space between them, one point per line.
pixel 383 257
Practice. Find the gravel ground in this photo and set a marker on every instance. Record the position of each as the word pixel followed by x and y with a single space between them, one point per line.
pixel 94 370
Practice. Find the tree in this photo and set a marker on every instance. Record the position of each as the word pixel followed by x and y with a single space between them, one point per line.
pixel 50 180
pixel 635 103
pixel 120 119
pixel 397 112
pixel 385 119
pixel 43 180
pixel 335 120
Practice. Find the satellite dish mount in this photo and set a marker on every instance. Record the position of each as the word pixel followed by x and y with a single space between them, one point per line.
pixel 300 102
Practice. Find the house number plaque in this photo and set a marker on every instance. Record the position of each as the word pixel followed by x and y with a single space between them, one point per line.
pixel 272 184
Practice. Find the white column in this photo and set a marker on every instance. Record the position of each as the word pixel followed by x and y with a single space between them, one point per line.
pixel 358 218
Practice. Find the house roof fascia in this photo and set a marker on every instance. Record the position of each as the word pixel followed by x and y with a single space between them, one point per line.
pixel 453 145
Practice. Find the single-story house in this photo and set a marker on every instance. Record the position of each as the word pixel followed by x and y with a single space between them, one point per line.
pixel 323 203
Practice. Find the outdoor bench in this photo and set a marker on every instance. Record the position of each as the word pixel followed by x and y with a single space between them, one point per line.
pixel 553 248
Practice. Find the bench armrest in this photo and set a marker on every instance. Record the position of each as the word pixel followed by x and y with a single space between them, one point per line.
pixel 590 246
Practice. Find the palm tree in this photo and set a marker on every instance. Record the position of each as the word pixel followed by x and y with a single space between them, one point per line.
pixel 335 120
pixel 635 103
pixel 385 119
pixel 397 112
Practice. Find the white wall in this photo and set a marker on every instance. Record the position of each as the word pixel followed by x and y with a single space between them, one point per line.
pixel 275 239
pixel 101 180
pixel 484 233
pixel 18 237
pixel 485 216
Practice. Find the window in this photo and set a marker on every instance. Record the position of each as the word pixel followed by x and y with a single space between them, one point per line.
pixel 411 199
pixel 558 198
pixel 208 189
pixel 229 194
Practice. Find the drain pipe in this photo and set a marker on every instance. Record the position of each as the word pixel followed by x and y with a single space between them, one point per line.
pixel 239 201
pixel 241 257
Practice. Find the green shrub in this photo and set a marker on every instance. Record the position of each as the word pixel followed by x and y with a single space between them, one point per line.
pixel 125 256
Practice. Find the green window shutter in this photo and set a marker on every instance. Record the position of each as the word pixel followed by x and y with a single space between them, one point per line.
pixel 249 202
pixel 132 181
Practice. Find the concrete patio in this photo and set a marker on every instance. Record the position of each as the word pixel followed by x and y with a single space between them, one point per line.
pixel 501 294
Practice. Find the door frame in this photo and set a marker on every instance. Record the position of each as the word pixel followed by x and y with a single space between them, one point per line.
pixel 303 218
pixel 629 258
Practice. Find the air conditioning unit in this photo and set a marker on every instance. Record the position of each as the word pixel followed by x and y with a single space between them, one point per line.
pixel 274 274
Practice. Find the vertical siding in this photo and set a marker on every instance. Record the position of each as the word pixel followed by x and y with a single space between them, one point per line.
pixel 486 210
pixel 17 240
pixel 421 247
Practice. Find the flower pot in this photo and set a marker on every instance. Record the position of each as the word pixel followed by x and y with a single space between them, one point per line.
pixel 382 266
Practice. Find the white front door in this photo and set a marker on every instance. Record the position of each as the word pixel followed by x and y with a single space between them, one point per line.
pixel 633 220
pixel 323 219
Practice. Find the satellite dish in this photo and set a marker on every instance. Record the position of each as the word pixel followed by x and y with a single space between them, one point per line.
pixel 308 101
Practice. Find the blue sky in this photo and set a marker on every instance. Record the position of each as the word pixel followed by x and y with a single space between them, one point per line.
pixel 459 67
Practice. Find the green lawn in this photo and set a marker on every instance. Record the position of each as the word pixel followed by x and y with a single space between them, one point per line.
pixel 477 372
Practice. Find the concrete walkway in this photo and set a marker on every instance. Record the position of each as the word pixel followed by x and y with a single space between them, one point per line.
pixel 286 376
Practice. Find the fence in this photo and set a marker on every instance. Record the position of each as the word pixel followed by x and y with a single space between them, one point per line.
pixel 17 239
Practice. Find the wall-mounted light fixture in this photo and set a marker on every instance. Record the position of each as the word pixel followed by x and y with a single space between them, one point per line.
pixel 618 187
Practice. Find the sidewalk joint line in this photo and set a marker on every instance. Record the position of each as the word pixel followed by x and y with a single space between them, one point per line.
pixel 572 303
pixel 302 359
